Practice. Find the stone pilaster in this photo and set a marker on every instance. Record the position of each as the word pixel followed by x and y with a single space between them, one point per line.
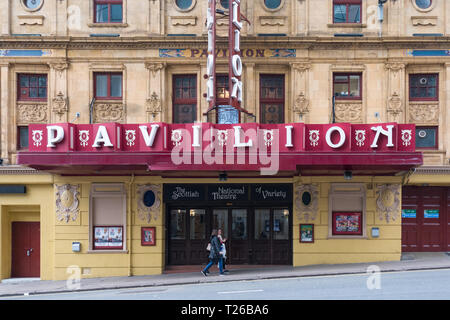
pixel 299 106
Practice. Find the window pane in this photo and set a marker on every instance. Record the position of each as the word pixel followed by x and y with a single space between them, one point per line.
pixel 340 89
pixel 197 224
pixel 340 13
pixel 33 93
pixel 225 3
pixel 431 80
pixel 354 86
pixel 23 137
pixel 354 14
pixel 116 13
pixel 338 78
pixel 272 113
pixel 184 4
pixel 42 93
pixel 220 221
pixel 423 4
pixel 185 113
pixel 33 81
pixel 426 137
pixel 239 224
pixel 42 81
pixel 116 86
pixel 177 224
pixel 281 224
pixel 101 86
pixel 101 13
pixel 24 81
pixel 272 4
pixel 431 93
pixel 262 224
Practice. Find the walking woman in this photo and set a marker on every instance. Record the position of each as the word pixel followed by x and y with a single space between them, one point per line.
pixel 214 254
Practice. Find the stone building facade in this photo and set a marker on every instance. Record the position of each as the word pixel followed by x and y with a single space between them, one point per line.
pixel 123 61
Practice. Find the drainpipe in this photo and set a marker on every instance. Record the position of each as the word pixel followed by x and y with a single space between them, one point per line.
pixel 130 184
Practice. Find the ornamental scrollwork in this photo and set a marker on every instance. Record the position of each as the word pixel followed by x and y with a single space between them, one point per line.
pixel 67 202
pixel 307 201
pixel 388 201
pixel 148 201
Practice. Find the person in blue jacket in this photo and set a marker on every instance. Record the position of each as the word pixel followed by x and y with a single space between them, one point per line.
pixel 214 254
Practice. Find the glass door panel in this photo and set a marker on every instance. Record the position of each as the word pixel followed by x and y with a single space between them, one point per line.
pixel 178 224
pixel 280 224
pixel 197 224
pixel 220 221
pixel 262 224
pixel 239 224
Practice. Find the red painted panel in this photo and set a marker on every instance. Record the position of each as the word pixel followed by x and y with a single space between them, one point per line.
pixel 426 232
pixel 25 249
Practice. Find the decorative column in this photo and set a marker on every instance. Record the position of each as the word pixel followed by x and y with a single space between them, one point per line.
pixel 300 98
pixel 156 14
pixel 5 18
pixel 395 90
pixel 5 114
pixel 59 100
pixel 300 17
pixel 155 104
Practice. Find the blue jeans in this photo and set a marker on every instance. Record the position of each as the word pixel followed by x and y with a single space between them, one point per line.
pixel 211 262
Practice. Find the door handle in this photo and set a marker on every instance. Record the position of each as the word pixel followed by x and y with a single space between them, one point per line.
pixel 28 253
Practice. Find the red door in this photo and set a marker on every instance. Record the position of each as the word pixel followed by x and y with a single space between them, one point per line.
pixel 26 250
pixel 424 219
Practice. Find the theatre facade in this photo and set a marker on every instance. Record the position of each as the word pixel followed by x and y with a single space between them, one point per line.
pixel 115 163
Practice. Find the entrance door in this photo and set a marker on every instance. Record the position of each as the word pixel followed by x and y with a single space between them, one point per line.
pixel 26 249
pixel 424 219
pixel 270 243
pixel 187 236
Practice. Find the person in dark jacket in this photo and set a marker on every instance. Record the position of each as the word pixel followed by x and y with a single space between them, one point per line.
pixel 214 254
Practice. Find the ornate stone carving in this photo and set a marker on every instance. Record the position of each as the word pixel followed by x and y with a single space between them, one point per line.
pixel 154 106
pixel 59 66
pixel 301 105
pixel 148 201
pixel 67 202
pixel 155 67
pixel 424 113
pixel 301 67
pixel 394 66
pixel 60 106
pixel 32 113
pixel 109 112
pixel 306 201
pixel 348 112
pixel 394 107
pixel 388 201
pixel 272 20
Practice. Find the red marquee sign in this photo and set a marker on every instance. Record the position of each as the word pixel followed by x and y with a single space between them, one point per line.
pixel 213 147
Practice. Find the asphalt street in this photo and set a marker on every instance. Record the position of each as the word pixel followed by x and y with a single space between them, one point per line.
pixel 407 285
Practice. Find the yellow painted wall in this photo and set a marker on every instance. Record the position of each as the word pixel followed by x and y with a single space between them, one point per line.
pixel 329 250
pixel 35 205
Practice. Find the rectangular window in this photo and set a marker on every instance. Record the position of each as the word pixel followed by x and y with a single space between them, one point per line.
pixel 108 86
pixel 427 137
pixel 346 11
pixel 184 98
pixel 272 98
pixel 108 11
pixel 108 216
pixel 222 89
pixel 32 87
pixel 22 137
pixel 424 87
pixel 347 86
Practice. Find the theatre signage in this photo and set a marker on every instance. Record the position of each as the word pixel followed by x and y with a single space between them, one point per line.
pixel 207 146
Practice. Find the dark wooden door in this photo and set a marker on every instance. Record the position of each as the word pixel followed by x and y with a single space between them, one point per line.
pixel 425 219
pixel 271 236
pixel 188 236
pixel 26 250
pixel 238 248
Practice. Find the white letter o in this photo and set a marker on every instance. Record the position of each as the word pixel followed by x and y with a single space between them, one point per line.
pixel 341 133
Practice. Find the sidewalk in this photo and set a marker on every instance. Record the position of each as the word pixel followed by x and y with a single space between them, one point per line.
pixel 410 261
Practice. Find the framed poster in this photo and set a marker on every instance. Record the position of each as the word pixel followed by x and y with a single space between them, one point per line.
pixel 347 223
pixel 307 233
pixel 148 236
pixel 108 237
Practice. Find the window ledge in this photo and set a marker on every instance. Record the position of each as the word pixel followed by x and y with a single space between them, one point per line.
pixel 347 25
pixel 348 237
pixel 108 251
pixel 108 25
pixel 424 101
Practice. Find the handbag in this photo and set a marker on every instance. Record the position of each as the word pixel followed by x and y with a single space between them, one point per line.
pixel 208 247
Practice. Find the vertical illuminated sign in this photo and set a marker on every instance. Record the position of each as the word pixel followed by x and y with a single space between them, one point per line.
pixel 235 62
pixel 211 63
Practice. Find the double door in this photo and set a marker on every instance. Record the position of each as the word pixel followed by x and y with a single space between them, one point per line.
pixel 25 249
pixel 254 235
